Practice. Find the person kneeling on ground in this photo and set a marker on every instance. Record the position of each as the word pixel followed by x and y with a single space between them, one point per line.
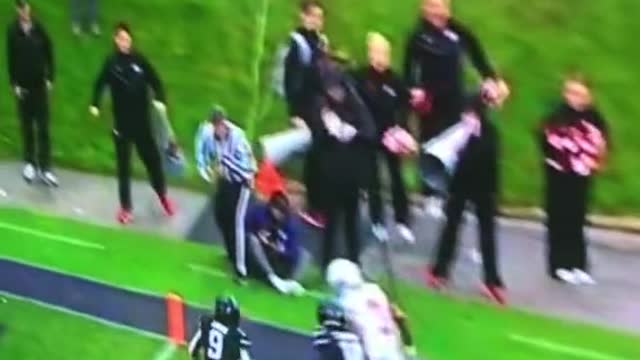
pixel 380 325
pixel 274 250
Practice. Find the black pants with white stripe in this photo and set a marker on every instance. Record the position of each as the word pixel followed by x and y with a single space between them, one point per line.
pixel 231 202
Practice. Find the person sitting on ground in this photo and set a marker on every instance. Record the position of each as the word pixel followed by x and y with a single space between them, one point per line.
pixel 274 250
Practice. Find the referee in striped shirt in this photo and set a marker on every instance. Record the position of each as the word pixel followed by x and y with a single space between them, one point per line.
pixel 223 149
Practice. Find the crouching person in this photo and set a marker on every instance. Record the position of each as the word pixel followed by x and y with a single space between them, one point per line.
pixel 275 253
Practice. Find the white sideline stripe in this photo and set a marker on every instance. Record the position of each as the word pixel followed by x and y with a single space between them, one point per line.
pixel 575 351
pixel 220 274
pixel 59 238
pixel 82 315
pixel 166 352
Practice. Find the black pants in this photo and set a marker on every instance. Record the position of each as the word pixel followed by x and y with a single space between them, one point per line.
pixel 342 203
pixel 566 206
pixel 313 180
pixel 231 202
pixel 148 152
pixel 398 189
pixel 33 109
pixel 485 206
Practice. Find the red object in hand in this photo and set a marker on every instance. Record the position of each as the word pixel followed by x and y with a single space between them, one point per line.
pixel 421 101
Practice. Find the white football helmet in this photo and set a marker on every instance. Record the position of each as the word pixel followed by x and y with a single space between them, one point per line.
pixel 343 273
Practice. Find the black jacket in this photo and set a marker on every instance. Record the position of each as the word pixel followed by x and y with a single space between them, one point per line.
pixel 30 56
pixel 478 166
pixel 386 96
pixel 434 58
pixel 344 163
pixel 129 77
pixel 300 80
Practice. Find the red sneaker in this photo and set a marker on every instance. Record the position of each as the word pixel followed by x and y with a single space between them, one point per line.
pixel 434 281
pixel 125 217
pixel 495 293
pixel 314 219
pixel 168 205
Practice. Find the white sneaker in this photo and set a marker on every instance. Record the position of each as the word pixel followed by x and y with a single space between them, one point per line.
pixel 583 277
pixel 380 232
pixel 279 284
pixel 567 276
pixel 406 233
pixel 29 173
pixel 49 178
pixel 433 207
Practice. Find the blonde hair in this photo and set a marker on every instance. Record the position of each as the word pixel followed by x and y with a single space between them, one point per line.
pixel 375 39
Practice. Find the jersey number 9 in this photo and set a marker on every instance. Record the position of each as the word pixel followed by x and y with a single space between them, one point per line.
pixel 216 343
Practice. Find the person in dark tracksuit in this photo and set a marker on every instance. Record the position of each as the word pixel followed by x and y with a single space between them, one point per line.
pixel 476 179
pixel 224 146
pixel 348 134
pixel 301 85
pixel 575 141
pixel 387 98
pixel 434 67
pixel 129 75
pixel 31 74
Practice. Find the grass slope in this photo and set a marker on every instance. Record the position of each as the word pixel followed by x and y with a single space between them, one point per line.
pixel 34 332
pixel 206 51
pixel 445 328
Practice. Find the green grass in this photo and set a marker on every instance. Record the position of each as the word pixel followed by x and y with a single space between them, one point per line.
pixel 445 329
pixel 206 51
pixel 35 332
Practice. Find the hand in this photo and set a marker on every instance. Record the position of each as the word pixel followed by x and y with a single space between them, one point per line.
pixel 18 91
pixel 49 85
pixel 298 122
pixel 160 106
pixel 347 133
pixel 94 111
pixel 417 95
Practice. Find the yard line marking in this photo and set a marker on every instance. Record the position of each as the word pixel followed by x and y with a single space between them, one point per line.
pixel 575 351
pixel 221 274
pixel 59 238
pixel 166 352
pixel 70 312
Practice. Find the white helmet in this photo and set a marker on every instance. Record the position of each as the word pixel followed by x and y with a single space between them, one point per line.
pixel 343 273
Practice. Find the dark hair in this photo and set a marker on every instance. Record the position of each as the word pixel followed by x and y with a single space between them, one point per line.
pixel 122 26
pixel 280 201
pixel 21 3
pixel 307 5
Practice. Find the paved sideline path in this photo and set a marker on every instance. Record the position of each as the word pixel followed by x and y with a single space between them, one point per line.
pixel 614 255
pixel 140 311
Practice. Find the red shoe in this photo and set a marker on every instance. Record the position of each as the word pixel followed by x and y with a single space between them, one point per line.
pixel 314 219
pixel 125 217
pixel 168 205
pixel 434 281
pixel 495 293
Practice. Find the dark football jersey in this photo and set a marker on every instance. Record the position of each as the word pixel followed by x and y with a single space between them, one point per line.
pixel 332 344
pixel 218 341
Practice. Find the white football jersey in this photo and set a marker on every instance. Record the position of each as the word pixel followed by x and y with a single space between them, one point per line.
pixel 369 313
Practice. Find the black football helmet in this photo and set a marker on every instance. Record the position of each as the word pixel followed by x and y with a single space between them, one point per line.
pixel 227 311
pixel 332 314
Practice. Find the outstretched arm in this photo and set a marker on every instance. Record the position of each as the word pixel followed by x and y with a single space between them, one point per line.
pixel 101 83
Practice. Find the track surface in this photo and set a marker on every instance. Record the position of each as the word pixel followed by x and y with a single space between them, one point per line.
pixel 136 310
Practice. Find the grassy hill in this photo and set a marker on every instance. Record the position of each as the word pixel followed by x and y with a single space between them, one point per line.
pixel 222 51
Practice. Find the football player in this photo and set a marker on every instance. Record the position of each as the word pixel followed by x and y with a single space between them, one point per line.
pixel 219 335
pixel 333 340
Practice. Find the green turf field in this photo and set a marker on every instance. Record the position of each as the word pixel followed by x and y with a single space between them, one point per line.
pixel 445 329
pixel 222 51
pixel 37 332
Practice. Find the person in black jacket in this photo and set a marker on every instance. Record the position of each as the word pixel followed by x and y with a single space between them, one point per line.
pixel 387 98
pixel 575 140
pixel 434 67
pixel 348 133
pixel 31 73
pixel 129 75
pixel 301 84
pixel 476 180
